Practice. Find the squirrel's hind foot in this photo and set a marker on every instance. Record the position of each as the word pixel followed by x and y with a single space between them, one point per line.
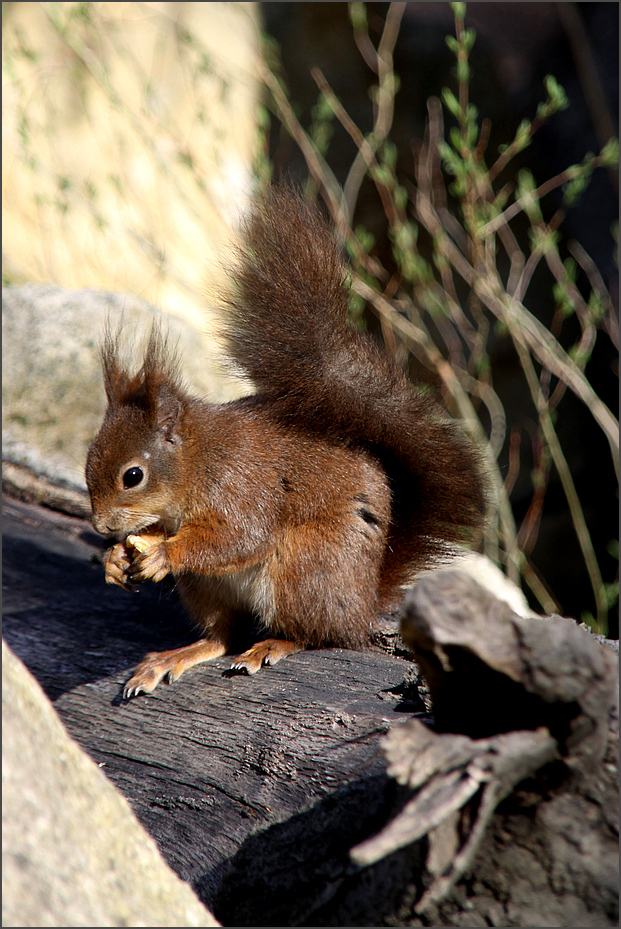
pixel 157 666
pixel 267 652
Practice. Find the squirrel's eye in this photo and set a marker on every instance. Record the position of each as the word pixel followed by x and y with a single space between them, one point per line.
pixel 132 477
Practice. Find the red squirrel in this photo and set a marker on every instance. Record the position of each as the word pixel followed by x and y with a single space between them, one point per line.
pixel 310 504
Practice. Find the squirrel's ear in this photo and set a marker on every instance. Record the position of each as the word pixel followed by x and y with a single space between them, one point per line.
pixel 166 410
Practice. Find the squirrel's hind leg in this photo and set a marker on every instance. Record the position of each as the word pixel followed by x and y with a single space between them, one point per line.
pixel 324 576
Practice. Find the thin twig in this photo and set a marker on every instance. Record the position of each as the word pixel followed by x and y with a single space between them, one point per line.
pixel 540 342
pixel 422 347
pixel 560 462
pixel 518 205
pixel 368 147
pixel 548 351
pixel 321 173
pixel 589 78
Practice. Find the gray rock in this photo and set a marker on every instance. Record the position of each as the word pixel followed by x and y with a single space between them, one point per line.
pixel 73 854
pixel 52 393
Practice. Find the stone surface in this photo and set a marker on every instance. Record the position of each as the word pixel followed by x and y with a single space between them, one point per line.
pixel 53 399
pixel 73 854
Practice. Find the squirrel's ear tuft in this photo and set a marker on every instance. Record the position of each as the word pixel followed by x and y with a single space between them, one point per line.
pixel 161 384
pixel 161 361
pixel 156 388
pixel 116 379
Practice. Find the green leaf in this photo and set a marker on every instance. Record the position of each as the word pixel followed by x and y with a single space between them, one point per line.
pixel 556 94
pixel 366 238
pixel 563 300
pixel 456 140
pixel 451 102
pixel 451 161
pixel 571 269
pixel 597 307
pixel 609 155
pixel 526 185
pixel 472 113
pixel 525 193
pixel 400 195
pixel 545 240
pixel 381 174
pixel 463 71
pixel 576 187
pixel 611 592
pixel 358 16
pixel 522 135
pixel 469 39
pixel 322 109
pixel 472 134
pixel 389 154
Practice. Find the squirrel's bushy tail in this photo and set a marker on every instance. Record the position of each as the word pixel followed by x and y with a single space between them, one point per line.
pixel 287 329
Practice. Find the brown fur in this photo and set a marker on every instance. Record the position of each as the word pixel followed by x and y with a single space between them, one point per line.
pixel 309 504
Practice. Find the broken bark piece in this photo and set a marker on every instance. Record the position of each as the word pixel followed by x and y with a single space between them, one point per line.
pixel 491 671
pixel 456 775
pixel 511 695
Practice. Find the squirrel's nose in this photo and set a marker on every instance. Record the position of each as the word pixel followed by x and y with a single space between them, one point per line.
pixel 100 525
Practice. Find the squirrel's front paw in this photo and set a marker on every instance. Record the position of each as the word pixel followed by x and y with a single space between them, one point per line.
pixel 117 562
pixel 150 560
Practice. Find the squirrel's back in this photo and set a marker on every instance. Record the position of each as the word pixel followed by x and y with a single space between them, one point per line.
pixel 287 329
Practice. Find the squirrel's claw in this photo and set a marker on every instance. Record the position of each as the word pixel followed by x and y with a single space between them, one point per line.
pixel 152 669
